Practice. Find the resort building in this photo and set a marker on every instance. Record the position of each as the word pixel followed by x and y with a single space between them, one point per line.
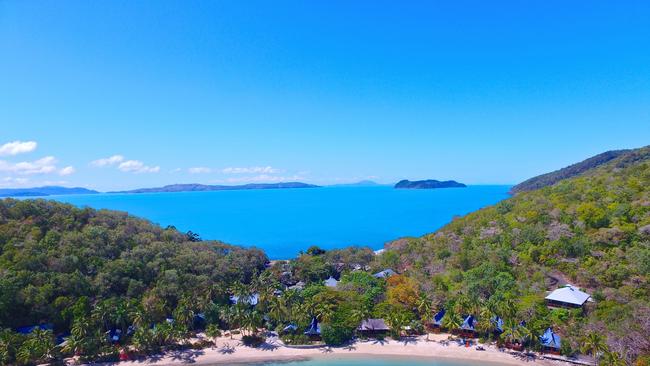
pixel 437 319
pixel 567 297
pixel 331 282
pixel 313 332
pixel 373 327
pixel 385 273
pixel 551 342
pixel 468 329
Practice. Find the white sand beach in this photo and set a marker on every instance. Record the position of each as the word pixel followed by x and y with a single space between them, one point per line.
pixel 230 351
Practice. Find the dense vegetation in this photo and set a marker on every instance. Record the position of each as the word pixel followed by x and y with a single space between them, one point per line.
pixel 93 273
pixel 570 171
pixel 592 231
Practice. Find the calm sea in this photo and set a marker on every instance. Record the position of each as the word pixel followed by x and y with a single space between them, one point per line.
pixel 286 221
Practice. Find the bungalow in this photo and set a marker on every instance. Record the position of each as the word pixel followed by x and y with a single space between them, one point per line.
pixel 468 328
pixel 251 300
pixel 313 331
pixel 567 297
pixel 373 327
pixel 331 282
pixel 31 328
pixel 385 273
pixel 437 319
pixel 551 342
pixel 497 322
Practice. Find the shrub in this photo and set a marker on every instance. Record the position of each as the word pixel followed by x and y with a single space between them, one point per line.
pixel 336 334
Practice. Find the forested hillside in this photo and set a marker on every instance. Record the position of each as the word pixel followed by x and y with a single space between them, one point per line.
pixel 592 231
pixel 53 254
pixel 570 171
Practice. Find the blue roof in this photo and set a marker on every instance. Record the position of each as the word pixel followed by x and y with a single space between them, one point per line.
pixel 498 323
pixel 550 339
pixel 385 273
pixel 437 319
pixel 314 328
pixel 31 328
pixel 290 328
pixel 469 323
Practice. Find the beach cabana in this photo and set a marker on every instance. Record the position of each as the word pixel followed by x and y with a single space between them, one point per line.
pixel 551 342
pixel 251 300
pixel 497 323
pixel 385 273
pixel 437 319
pixel 373 327
pixel 567 297
pixel 291 328
pixel 313 331
pixel 331 282
pixel 468 328
pixel 31 328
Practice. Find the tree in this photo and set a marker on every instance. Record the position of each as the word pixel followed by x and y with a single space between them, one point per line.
pixel 594 344
pixel 213 332
pixel 452 321
pixel 38 348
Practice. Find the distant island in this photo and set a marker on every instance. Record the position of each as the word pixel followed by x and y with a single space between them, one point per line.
pixel 428 184
pixel 205 187
pixel 43 191
pixel 362 183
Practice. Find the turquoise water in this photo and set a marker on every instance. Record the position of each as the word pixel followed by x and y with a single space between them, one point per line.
pixel 374 361
pixel 285 221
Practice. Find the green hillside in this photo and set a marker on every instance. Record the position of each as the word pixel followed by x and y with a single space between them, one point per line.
pixel 592 231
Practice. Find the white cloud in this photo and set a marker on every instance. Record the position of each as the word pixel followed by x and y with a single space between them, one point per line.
pixel 13 182
pixel 41 166
pixel 264 178
pixel 67 171
pixel 17 147
pixel 136 166
pixel 199 170
pixel 251 170
pixel 111 160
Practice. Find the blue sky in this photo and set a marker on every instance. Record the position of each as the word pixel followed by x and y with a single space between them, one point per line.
pixel 324 92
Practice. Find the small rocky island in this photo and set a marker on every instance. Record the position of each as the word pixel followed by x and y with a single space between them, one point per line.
pixel 428 184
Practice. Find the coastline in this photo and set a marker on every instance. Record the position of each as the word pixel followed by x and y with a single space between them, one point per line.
pixel 231 351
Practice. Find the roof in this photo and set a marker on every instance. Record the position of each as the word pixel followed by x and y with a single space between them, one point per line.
pixel 331 282
pixel 251 299
pixel 437 319
pixel 298 286
pixel 314 327
pixel 31 328
pixel 469 323
pixel 550 339
pixel 373 324
pixel 385 273
pixel 569 295
pixel 290 328
pixel 498 323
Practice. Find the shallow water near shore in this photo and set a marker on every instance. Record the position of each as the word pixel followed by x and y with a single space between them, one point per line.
pixel 283 222
pixel 374 361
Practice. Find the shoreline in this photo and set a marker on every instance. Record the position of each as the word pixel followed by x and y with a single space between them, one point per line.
pixel 227 351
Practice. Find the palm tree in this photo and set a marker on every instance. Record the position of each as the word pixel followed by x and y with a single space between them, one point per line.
pixel 324 311
pixel 361 313
pixel 452 321
pixel 213 332
pixel 277 308
pixel 511 332
pixel 613 359
pixel 594 343
pixel 38 348
pixel 227 316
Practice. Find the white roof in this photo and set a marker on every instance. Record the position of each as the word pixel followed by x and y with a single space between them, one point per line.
pixel 331 282
pixel 569 294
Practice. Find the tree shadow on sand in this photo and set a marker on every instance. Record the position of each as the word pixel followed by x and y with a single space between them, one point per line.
pixel 227 349
pixel 186 356
pixel 409 340
pixel 327 350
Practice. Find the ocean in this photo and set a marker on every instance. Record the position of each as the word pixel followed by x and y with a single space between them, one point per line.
pixel 284 222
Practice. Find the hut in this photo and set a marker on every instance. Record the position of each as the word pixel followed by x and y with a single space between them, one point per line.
pixel 373 327
pixel 468 328
pixel 313 332
pixel 385 273
pixel 567 297
pixel 437 319
pixel 551 342
pixel 331 282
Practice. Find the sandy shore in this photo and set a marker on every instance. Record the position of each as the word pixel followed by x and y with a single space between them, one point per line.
pixel 230 351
